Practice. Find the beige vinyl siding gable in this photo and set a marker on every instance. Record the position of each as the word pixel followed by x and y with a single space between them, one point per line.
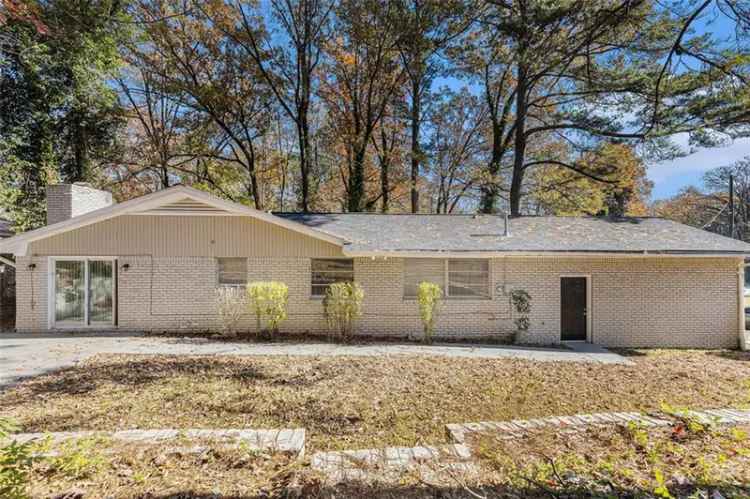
pixel 184 236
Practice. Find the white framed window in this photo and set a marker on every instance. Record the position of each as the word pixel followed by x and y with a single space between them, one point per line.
pixel 232 272
pixel 460 278
pixel 326 271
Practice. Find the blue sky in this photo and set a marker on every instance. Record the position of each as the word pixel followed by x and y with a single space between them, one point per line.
pixel 671 176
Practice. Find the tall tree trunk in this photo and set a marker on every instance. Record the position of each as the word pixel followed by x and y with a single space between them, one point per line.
pixel 384 185
pixel 303 126
pixel 256 194
pixel 519 145
pixel 415 150
pixel 357 180
pixel 490 189
pixel 519 157
pixel 303 133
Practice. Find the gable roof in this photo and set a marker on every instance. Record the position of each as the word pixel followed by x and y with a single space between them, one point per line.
pixel 174 200
pixel 378 234
pixel 371 234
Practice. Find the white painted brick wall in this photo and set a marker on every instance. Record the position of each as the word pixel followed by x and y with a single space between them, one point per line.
pixel 678 302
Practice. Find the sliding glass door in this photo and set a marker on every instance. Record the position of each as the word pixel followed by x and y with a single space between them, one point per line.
pixel 70 293
pixel 84 292
pixel 101 292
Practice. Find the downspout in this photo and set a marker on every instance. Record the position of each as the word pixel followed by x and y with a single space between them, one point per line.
pixel 741 305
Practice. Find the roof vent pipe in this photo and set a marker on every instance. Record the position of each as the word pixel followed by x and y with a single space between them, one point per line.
pixel 507 225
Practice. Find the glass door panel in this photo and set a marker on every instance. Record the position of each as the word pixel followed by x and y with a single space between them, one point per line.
pixel 101 292
pixel 70 288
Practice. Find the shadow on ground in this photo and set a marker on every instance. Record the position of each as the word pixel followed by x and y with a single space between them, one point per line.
pixel 731 355
pixel 356 491
pixel 79 380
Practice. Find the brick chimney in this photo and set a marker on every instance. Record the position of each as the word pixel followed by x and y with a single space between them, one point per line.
pixel 65 201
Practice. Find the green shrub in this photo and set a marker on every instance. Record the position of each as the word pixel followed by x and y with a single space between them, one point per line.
pixel 268 301
pixel 429 296
pixel 78 458
pixel 343 306
pixel 16 461
pixel 521 301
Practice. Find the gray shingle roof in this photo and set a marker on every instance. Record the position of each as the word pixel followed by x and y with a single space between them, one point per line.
pixel 367 232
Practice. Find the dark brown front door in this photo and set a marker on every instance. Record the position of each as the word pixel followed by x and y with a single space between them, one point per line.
pixel 573 308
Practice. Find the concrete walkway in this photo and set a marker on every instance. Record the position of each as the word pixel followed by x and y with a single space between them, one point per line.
pixel 23 355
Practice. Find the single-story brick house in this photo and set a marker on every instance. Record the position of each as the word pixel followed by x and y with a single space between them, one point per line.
pixel 153 263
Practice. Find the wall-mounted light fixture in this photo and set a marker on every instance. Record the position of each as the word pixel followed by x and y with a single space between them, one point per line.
pixel 31 266
pixel 125 266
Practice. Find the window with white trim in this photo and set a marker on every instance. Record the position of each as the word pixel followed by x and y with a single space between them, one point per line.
pixel 232 272
pixel 462 278
pixel 326 271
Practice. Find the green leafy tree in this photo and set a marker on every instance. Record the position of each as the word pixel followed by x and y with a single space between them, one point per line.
pixel 58 114
pixel 586 72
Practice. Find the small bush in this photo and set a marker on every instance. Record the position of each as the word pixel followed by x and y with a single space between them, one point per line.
pixel 268 301
pixel 231 304
pixel 429 296
pixel 78 458
pixel 16 461
pixel 343 306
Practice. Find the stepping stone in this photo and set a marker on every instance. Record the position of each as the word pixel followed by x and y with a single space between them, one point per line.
pixel 391 464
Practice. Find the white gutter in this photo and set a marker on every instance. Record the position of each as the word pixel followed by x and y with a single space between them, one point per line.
pixel 535 254
pixel 7 261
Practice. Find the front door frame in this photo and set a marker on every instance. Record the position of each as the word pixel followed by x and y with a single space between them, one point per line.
pixel 51 295
pixel 589 310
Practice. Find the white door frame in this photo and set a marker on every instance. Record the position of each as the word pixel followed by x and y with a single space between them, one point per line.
pixel 51 295
pixel 589 311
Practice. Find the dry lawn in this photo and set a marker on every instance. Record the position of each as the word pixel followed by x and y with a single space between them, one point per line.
pixel 683 461
pixel 360 402
pixel 100 468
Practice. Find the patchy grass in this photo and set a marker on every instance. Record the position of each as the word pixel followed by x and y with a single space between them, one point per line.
pixel 598 462
pixel 360 402
pixel 620 461
pixel 100 468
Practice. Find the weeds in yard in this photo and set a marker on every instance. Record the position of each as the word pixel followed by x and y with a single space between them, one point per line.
pixel 78 458
pixel 157 470
pixel 624 462
pixel 16 461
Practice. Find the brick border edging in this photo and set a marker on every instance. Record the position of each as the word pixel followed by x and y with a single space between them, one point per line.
pixel 287 441
pixel 457 432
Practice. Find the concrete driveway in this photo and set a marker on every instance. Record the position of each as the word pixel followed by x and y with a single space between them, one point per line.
pixel 24 355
